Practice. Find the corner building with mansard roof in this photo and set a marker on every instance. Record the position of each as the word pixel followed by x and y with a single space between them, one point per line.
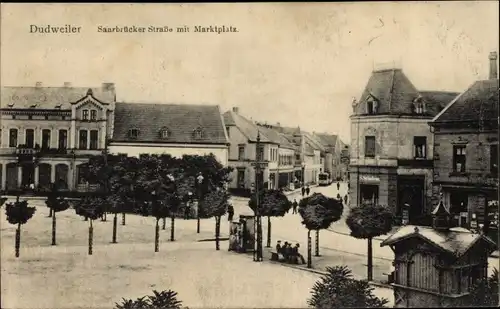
pixel 391 144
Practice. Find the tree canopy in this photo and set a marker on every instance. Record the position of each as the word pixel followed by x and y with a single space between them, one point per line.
pixel 337 289
pixel 19 212
pixel 319 212
pixel 90 207
pixel 215 203
pixel 273 203
pixel 367 221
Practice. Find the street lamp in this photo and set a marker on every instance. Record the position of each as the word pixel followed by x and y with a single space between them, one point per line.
pixel 258 222
pixel 199 181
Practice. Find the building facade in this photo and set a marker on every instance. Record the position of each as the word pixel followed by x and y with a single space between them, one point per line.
pixel 466 150
pixel 48 133
pixel 391 144
pixel 169 129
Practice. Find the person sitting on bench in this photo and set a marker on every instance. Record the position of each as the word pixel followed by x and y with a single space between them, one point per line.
pixel 296 255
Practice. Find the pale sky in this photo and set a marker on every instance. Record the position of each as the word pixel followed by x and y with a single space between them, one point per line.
pixel 294 63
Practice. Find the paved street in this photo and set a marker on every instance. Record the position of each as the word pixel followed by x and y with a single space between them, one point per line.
pixel 335 248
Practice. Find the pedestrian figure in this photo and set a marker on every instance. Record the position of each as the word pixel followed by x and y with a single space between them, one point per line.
pixel 338 186
pixel 345 199
pixel 339 197
pixel 296 255
pixel 294 206
pixel 303 191
pixel 186 211
pixel 308 190
pixel 230 213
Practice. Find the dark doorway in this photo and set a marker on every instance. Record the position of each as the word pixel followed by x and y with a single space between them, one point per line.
pixel 368 194
pixel 411 192
pixel 28 175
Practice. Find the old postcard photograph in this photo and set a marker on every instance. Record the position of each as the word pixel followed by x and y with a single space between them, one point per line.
pixel 249 155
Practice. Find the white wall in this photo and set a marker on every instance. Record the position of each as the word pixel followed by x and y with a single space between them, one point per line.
pixel 175 150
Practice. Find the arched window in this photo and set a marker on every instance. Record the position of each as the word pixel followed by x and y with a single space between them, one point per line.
pixel 371 106
pixel 198 133
pixel 418 105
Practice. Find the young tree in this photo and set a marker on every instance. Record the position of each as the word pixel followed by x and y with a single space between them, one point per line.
pixel 56 204
pixel 367 221
pixel 19 213
pixel 184 185
pixel 215 205
pixel 337 289
pixel 90 207
pixel 322 213
pixel 273 203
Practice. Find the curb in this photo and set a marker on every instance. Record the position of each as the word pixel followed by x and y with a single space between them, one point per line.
pixel 213 239
pixel 320 272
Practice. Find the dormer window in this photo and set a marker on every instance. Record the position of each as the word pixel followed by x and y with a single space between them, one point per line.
pixel 165 133
pixel 33 105
pixel 418 105
pixel 371 106
pixel 198 133
pixel 93 115
pixel 58 106
pixel 10 105
pixel 133 133
pixel 85 114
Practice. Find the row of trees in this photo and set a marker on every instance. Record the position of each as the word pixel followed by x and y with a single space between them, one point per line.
pixel 150 185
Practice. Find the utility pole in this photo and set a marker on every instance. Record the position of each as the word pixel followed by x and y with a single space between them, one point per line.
pixel 258 221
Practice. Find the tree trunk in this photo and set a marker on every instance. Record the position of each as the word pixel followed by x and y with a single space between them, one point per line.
pixel 309 249
pixel 86 218
pixel 198 224
pixel 268 232
pixel 18 239
pixel 157 236
pixel 172 228
pixel 123 218
pixel 104 217
pixel 115 223
pixel 217 232
pixel 370 260
pixel 50 212
pixel 317 243
pixel 54 229
pixel 164 227
pixel 91 237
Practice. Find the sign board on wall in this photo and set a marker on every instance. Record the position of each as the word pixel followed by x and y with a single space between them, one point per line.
pixel 368 179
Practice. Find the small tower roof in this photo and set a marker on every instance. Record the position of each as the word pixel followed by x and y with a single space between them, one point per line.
pixel 441 209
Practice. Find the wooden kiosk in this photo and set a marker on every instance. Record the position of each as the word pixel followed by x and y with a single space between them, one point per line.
pixel 436 266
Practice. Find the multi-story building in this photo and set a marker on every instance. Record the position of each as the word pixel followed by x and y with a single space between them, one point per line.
pixel 333 155
pixel 466 149
pixel 174 129
pixel 313 157
pixel 48 133
pixel 243 152
pixel 391 143
pixel 344 162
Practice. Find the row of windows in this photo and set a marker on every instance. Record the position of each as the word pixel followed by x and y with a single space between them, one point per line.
pixel 84 142
pixel 418 107
pixel 420 152
pixel 29 138
pixel 419 147
pixel 93 114
pixel 286 160
pixel 165 133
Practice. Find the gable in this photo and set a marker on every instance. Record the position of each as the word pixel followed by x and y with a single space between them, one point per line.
pixel 89 103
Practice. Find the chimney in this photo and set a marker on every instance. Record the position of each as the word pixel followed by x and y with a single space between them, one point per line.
pixel 67 84
pixel 493 65
pixel 38 84
pixel 236 109
pixel 108 86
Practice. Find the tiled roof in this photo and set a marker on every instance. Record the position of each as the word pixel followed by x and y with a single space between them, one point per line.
pixel 437 100
pixel 395 94
pixel 313 142
pixel 276 137
pixel 456 241
pixel 180 120
pixel 49 97
pixel 246 126
pixel 329 140
pixel 480 98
